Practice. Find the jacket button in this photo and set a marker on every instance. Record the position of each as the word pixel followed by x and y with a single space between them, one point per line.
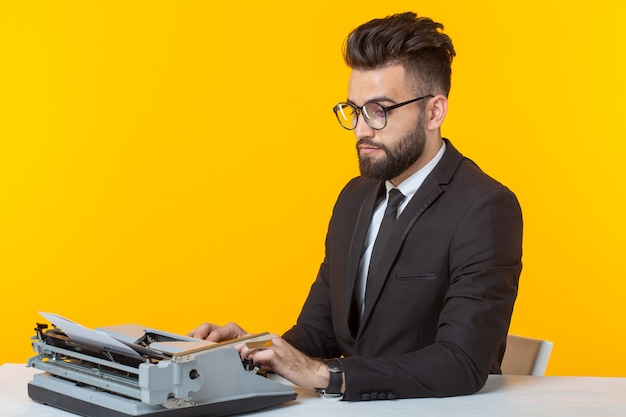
pixel 365 397
pixel 382 396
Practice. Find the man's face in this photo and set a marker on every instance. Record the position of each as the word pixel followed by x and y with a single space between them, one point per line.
pixel 391 153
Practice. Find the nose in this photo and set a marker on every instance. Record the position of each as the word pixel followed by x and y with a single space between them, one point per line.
pixel 362 129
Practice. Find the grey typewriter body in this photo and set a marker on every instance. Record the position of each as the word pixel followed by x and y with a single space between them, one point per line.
pixel 147 372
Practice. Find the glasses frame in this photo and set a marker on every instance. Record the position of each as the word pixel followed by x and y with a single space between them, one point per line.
pixel 359 109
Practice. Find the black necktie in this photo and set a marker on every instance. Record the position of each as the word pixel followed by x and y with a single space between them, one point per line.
pixel 386 227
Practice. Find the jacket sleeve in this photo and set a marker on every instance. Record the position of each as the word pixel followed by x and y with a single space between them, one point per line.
pixel 313 333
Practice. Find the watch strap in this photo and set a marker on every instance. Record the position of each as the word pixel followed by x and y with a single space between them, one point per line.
pixel 335 371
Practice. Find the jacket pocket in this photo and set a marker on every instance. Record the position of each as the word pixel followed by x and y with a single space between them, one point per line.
pixel 416 277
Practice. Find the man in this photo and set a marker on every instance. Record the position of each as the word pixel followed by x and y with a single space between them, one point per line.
pixel 427 312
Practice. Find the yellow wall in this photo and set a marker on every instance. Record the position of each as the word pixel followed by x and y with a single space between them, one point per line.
pixel 167 163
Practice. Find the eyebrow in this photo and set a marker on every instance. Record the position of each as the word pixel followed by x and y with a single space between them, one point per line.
pixel 376 99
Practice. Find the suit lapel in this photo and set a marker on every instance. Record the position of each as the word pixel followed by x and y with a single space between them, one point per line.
pixel 358 239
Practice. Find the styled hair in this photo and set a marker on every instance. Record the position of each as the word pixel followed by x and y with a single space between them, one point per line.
pixel 416 43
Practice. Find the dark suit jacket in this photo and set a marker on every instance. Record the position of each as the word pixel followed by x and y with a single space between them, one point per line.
pixel 436 320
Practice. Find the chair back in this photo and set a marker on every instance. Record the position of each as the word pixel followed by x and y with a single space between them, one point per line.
pixel 525 356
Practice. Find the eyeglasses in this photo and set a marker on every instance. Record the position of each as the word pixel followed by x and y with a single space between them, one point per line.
pixel 374 114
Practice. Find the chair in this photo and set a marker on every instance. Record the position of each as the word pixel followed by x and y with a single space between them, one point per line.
pixel 525 356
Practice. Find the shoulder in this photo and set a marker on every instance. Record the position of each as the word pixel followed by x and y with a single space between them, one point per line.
pixel 461 173
pixel 359 186
pixel 466 186
pixel 359 192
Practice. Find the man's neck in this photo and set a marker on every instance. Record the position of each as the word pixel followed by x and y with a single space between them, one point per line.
pixel 430 150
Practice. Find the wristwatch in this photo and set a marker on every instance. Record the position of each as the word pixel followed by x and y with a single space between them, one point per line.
pixel 335 370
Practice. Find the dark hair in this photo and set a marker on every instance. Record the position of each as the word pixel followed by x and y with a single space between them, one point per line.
pixel 412 41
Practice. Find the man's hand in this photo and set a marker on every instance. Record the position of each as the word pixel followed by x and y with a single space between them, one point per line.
pixel 281 357
pixel 290 363
pixel 215 333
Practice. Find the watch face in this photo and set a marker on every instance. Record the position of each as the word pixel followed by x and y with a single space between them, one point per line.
pixel 328 397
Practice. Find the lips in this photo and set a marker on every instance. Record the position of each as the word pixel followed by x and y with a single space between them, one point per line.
pixel 367 148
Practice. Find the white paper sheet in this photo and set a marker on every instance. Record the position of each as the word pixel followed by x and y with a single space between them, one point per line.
pixel 88 336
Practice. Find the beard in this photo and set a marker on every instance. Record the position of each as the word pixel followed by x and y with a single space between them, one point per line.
pixel 399 156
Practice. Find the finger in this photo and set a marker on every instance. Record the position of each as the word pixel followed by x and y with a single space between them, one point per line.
pixel 244 351
pixel 226 332
pixel 263 357
pixel 202 331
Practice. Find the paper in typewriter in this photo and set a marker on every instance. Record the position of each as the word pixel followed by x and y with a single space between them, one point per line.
pixel 88 336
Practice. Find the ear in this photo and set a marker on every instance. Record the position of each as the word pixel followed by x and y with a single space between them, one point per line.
pixel 436 110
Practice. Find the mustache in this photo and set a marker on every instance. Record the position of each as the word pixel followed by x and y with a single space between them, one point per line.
pixel 369 142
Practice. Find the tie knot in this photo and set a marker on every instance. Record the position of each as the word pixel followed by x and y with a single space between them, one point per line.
pixel 395 198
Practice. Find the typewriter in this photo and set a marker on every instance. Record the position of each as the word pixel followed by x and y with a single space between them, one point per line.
pixel 129 370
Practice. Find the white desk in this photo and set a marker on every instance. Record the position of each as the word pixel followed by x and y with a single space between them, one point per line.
pixel 502 396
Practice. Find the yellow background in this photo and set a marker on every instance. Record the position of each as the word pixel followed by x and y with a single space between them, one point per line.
pixel 167 163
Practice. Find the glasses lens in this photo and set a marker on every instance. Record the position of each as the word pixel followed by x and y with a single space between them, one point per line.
pixel 374 115
pixel 346 114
